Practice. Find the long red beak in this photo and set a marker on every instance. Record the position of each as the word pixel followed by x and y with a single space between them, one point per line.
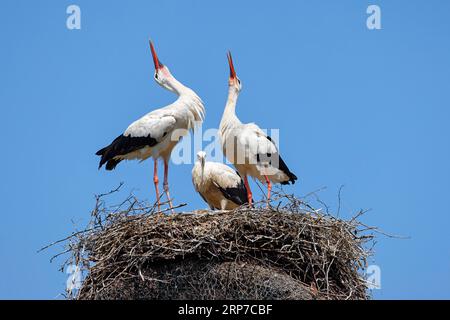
pixel 230 62
pixel 158 64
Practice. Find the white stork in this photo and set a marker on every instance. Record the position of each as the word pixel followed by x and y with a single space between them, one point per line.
pixel 246 146
pixel 151 135
pixel 220 186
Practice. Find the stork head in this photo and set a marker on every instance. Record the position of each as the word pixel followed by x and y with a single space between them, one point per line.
pixel 162 74
pixel 201 157
pixel 233 81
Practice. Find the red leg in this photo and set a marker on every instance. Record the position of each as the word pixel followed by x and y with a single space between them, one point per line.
pixel 166 183
pixel 156 181
pixel 269 189
pixel 249 192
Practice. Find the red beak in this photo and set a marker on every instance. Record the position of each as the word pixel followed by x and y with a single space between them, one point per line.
pixel 230 62
pixel 158 64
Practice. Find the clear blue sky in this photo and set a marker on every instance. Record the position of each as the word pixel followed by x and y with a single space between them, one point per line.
pixel 366 109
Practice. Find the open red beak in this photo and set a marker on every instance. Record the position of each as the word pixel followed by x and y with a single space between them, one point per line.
pixel 230 62
pixel 158 64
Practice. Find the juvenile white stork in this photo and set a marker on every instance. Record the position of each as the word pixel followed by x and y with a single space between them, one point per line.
pixel 246 146
pixel 151 135
pixel 220 186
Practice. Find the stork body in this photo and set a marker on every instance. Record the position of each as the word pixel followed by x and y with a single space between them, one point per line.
pixel 157 133
pixel 152 135
pixel 220 186
pixel 251 151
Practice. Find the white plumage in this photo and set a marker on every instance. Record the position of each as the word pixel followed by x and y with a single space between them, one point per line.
pixel 156 134
pixel 219 185
pixel 166 126
pixel 246 146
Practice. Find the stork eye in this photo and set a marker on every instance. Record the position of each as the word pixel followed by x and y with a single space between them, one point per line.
pixel 156 76
pixel 239 81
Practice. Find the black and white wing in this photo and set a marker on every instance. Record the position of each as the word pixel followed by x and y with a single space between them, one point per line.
pixel 144 133
pixel 230 184
pixel 260 149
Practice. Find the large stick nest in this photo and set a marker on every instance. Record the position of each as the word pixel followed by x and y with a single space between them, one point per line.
pixel 291 251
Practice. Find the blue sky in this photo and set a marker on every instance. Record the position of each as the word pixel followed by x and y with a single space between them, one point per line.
pixel 368 109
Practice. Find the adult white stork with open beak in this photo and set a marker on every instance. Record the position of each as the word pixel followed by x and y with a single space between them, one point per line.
pixel 252 152
pixel 156 134
pixel 220 186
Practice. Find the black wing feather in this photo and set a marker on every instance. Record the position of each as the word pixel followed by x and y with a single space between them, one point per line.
pixel 283 167
pixel 281 164
pixel 238 194
pixel 121 146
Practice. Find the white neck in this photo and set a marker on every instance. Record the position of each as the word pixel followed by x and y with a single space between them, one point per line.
pixel 178 88
pixel 199 175
pixel 202 168
pixel 187 99
pixel 229 117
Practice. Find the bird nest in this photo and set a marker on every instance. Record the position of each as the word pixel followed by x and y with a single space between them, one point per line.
pixel 290 251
